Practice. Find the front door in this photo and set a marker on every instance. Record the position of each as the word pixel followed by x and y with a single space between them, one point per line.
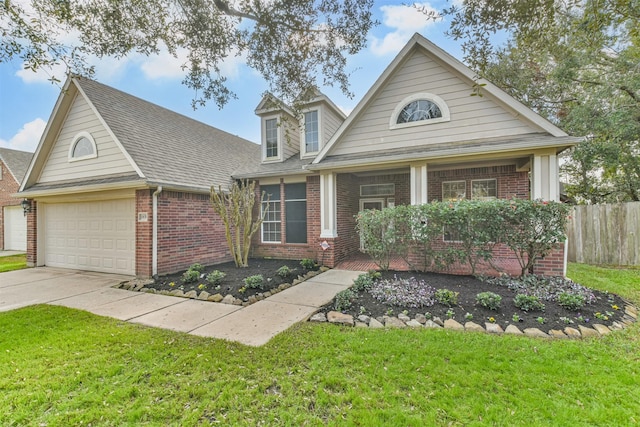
pixel 370 204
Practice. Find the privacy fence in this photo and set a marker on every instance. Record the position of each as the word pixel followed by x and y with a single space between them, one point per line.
pixel 605 234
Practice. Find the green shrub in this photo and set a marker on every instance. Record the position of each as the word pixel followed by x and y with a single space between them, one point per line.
pixel 215 277
pixel 284 271
pixel 528 302
pixel 190 276
pixel 446 297
pixel 308 264
pixel 571 301
pixel 344 299
pixel 362 283
pixel 197 267
pixel 489 300
pixel 254 282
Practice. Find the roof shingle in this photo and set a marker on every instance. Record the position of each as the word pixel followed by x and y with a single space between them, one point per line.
pixel 17 161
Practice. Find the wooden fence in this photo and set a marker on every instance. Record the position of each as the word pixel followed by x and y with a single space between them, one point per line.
pixel 605 234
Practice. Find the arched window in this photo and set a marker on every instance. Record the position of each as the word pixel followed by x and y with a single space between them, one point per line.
pixel 83 147
pixel 419 109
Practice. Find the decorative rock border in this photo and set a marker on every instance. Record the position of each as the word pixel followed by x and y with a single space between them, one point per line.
pixel 140 285
pixel 420 321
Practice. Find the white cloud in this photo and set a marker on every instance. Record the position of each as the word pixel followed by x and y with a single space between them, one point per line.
pixel 27 138
pixel 164 65
pixel 404 20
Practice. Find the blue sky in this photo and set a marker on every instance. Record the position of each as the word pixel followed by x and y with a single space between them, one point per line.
pixel 27 98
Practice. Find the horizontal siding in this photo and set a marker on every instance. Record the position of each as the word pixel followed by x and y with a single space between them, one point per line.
pixel 331 124
pixel 472 117
pixel 110 158
pixel 290 139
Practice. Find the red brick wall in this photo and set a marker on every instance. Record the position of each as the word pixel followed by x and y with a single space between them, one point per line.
pixel 32 235
pixel 8 186
pixel 144 233
pixel 509 182
pixel 189 231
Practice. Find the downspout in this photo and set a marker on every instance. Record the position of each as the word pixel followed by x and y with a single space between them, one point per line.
pixel 154 233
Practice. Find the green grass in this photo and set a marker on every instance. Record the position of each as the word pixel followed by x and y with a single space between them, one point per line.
pixel 66 367
pixel 13 262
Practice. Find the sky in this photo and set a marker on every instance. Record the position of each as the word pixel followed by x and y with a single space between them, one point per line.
pixel 27 98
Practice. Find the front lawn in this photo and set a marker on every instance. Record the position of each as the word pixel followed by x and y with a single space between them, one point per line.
pixel 66 367
pixel 13 262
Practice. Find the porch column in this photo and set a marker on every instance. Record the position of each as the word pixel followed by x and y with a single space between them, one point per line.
pixel 328 205
pixel 545 182
pixel 418 179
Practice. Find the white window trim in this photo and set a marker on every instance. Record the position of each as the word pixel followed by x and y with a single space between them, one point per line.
pixel 270 222
pixel 444 109
pixel 385 184
pixel 449 182
pixel 75 140
pixel 277 158
pixel 303 143
pixel 484 198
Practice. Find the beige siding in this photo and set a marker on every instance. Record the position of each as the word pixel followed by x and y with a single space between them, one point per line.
pixel 290 139
pixel 330 122
pixel 472 117
pixel 110 158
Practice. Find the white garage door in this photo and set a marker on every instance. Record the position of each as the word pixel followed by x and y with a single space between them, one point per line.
pixel 94 236
pixel 15 229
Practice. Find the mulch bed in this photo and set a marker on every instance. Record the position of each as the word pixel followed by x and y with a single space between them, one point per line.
pixel 233 281
pixel 468 287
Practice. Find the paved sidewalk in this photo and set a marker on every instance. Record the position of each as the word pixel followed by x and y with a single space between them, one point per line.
pixel 253 325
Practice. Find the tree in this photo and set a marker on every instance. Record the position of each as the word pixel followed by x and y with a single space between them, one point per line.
pixel 291 43
pixel 575 63
pixel 235 208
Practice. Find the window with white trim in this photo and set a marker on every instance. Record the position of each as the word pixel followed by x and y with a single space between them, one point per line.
pixel 271 138
pixel 454 190
pixel 372 190
pixel 311 132
pixel 83 147
pixel 484 189
pixel 272 223
pixel 419 109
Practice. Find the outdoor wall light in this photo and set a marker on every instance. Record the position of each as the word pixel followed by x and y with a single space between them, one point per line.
pixel 26 206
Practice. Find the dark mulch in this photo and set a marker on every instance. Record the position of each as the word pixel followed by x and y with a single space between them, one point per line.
pixel 468 287
pixel 233 281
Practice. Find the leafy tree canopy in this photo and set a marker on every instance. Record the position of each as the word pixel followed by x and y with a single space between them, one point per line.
pixel 294 44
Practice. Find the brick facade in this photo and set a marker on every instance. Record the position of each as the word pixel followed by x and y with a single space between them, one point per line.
pixel 8 186
pixel 510 183
pixel 144 233
pixel 32 235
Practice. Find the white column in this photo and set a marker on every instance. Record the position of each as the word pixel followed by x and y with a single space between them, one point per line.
pixel 418 177
pixel 545 182
pixel 328 211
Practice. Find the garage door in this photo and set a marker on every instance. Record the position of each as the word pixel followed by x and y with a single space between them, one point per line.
pixel 15 229
pixel 94 236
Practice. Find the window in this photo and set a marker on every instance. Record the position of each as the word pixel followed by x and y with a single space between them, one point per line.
pixel 453 190
pixel 311 132
pixel 419 109
pixel 296 212
pixel 372 190
pixel 271 226
pixel 83 147
pixel 484 189
pixel 271 137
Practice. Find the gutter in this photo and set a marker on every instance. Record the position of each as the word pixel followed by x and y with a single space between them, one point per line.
pixel 154 233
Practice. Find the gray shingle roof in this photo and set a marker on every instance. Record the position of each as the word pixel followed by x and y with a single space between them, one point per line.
pixel 170 148
pixel 17 161
pixel 293 165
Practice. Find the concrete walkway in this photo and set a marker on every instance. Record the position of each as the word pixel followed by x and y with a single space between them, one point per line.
pixel 253 325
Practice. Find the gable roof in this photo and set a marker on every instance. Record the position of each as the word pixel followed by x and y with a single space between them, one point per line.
pixel 457 67
pixel 16 161
pixel 164 147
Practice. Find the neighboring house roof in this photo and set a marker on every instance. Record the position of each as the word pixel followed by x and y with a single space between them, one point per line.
pixel 292 166
pixel 164 147
pixel 16 161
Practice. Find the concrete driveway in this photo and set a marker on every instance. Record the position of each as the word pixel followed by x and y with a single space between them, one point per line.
pixel 253 325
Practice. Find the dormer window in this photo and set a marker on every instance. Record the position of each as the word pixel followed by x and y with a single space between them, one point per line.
pixel 83 147
pixel 271 138
pixel 419 109
pixel 311 132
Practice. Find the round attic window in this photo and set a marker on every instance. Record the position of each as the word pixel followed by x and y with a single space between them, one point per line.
pixel 419 109
pixel 83 147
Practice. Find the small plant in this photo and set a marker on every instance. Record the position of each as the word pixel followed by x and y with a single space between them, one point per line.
pixel 582 319
pixel 572 302
pixel 254 282
pixel 308 264
pixel 375 275
pixel 541 320
pixel 284 271
pixel 363 309
pixel 344 300
pixel 615 307
pixel 450 313
pixel 447 297
pixel 197 267
pixel 362 283
pixel 468 316
pixel 428 315
pixel 242 290
pixel 516 319
pixel 202 286
pixel 405 312
pixel 604 316
pixel 172 284
pixel 389 312
pixel 528 302
pixel 190 276
pixel 489 300
pixel 216 277
pixel 566 320
pixel 491 319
